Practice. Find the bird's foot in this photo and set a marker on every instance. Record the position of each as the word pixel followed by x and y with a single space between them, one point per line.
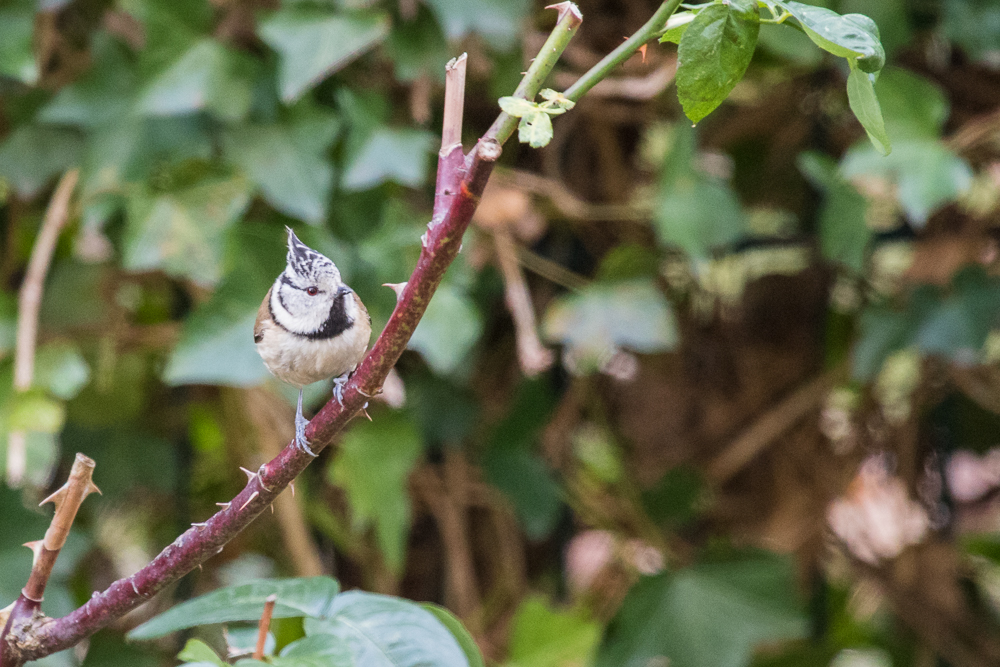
pixel 338 387
pixel 300 436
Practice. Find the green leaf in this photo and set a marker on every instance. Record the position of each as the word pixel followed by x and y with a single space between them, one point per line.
pixel 458 631
pixel 604 317
pixel 207 77
pixel 314 43
pixel 708 615
pixel 535 129
pixel 517 107
pixel 418 48
pixel 927 174
pixel 851 36
pixel 33 154
pixel 677 25
pixel 61 369
pixel 544 637
pixel 881 332
pixel 973 25
pixel 714 52
pixel 498 21
pixel 17 29
pixel 524 478
pixel 309 596
pixel 200 653
pixel 383 631
pixel 183 232
pixel 289 165
pixel 389 154
pixel 844 234
pixel 556 98
pixel 372 466
pixel 915 108
pixel 448 330
pixel 319 650
pixel 242 639
pixel 864 104
pixel 104 94
pixel 33 411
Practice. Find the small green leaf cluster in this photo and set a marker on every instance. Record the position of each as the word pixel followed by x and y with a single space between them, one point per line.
pixel 716 42
pixel 535 126
pixel 340 629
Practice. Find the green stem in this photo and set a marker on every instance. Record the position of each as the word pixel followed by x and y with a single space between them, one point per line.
pixel 599 71
pixel 569 20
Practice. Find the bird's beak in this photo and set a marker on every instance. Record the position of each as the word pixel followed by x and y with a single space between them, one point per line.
pixel 344 289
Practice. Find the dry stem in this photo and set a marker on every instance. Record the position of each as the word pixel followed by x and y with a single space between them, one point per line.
pixel 264 626
pixel 29 303
pixel 533 356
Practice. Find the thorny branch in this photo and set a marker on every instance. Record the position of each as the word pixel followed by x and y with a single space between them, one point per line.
pixel 460 184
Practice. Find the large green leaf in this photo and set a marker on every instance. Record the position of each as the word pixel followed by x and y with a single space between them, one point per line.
pixel 915 108
pixel 61 369
pixel 183 232
pixel 33 154
pixel 287 160
pixel 389 154
pixel 105 92
pixel 383 631
pixel 544 637
pixel 851 36
pixel 714 52
pixel 313 597
pixel 313 43
pixel 373 466
pixel 448 330
pixel 708 615
pixel 529 484
pixel 208 76
pixel 499 21
pixel 604 317
pixel 319 650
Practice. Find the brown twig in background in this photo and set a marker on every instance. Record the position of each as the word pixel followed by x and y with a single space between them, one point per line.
pixel 264 626
pixel 67 501
pixel 28 304
pixel 532 355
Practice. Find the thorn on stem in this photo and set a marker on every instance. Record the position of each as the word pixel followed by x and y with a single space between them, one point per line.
pixel 250 474
pixel 224 506
pixel 399 287
pixel 250 500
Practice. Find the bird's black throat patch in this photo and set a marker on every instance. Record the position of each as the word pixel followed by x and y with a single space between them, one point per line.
pixel 337 322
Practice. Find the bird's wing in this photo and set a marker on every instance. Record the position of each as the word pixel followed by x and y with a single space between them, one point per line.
pixel 264 318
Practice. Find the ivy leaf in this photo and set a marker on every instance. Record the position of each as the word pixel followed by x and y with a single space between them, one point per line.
pixel 602 318
pixel 851 36
pixel 33 154
pixel 389 154
pixel 61 370
pixel 708 615
pixel 535 128
pixel 288 164
pixel 383 631
pixel 182 232
pixel 864 104
pixel 307 596
pixel 458 631
pixel 103 95
pixel 313 43
pixel 372 466
pixel 448 330
pixel 208 76
pixel 714 52
pixel 316 651
pixel 499 21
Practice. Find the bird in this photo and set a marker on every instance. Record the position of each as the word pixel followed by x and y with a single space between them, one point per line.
pixel 311 327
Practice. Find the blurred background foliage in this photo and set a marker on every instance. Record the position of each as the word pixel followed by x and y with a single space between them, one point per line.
pixel 705 397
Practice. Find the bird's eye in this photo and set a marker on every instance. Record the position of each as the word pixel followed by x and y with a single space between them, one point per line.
pixel 312 291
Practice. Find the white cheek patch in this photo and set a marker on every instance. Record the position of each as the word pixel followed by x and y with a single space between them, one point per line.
pixel 297 311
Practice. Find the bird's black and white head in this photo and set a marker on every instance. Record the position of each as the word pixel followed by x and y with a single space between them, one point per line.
pixel 309 298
